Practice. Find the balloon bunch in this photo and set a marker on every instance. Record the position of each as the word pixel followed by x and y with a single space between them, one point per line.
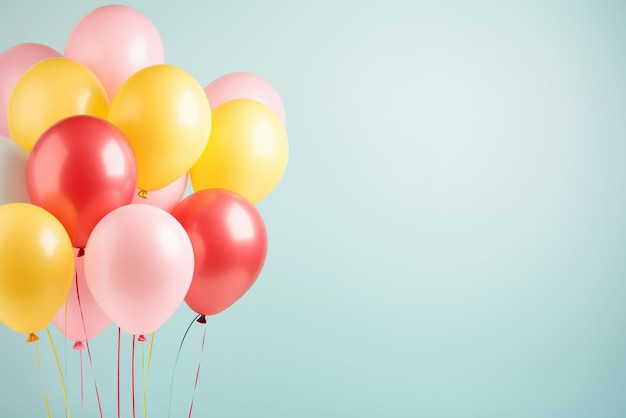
pixel 96 148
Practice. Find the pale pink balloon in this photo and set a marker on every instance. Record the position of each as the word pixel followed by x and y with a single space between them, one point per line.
pixel 166 198
pixel 139 264
pixel 13 64
pixel 242 85
pixel 80 318
pixel 13 160
pixel 115 42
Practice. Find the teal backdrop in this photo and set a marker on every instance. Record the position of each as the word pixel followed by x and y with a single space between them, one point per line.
pixel 447 241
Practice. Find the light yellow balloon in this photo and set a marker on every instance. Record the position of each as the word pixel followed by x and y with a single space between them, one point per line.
pixel 36 266
pixel 247 151
pixel 166 116
pixel 52 90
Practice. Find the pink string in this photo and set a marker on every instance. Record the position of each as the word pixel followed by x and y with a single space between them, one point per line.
pixel 94 379
pixel 195 385
pixel 82 317
pixel 132 375
pixel 82 386
pixel 80 347
pixel 119 336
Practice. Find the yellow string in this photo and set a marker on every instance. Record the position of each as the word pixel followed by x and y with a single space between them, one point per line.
pixel 45 396
pixel 145 373
pixel 56 357
pixel 150 354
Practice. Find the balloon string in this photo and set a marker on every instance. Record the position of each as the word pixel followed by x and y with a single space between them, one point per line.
pixel 95 385
pixel 143 373
pixel 82 318
pixel 119 336
pixel 195 385
pixel 145 377
pixel 56 358
pixel 82 386
pixel 132 375
pixel 176 362
pixel 150 355
pixel 43 386
pixel 65 339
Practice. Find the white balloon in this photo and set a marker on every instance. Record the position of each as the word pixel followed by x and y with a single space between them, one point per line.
pixel 12 172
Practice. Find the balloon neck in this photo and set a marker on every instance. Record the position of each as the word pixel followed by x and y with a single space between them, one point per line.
pixel 78 346
pixel 202 319
pixel 81 252
pixel 32 338
pixel 142 338
pixel 143 194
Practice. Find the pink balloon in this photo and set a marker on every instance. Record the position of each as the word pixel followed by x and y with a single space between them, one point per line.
pixel 13 64
pixel 166 198
pixel 139 264
pixel 115 42
pixel 13 161
pixel 243 85
pixel 80 318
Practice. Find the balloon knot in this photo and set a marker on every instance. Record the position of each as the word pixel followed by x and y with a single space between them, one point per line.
pixel 81 252
pixel 32 338
pixel 78 346
pixel 202 319
pixel 143 194
pixel 142 338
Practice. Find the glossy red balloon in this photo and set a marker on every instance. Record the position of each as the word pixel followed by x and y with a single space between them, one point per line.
pixel 230 244
pixel 79 170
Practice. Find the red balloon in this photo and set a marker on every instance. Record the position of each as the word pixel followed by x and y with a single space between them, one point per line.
pixel 79 170
pixel 230 244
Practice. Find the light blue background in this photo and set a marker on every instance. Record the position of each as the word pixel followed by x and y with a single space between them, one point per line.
pixel 448 239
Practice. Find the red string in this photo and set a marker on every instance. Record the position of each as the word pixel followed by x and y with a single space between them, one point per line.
pixel 132 375
pixel 119 336
pixel 94 379
pixel 80 308
pixel 195 385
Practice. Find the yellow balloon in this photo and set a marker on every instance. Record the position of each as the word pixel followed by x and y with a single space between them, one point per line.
pixel 166 116
pixel 36 266
pixel 52 90
pixel 247 151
